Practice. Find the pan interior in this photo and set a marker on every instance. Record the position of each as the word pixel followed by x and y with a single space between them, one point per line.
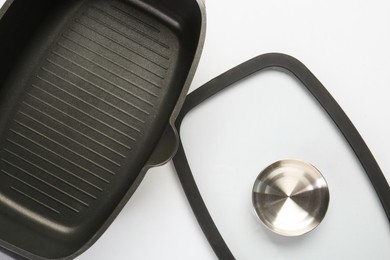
pixel 88 89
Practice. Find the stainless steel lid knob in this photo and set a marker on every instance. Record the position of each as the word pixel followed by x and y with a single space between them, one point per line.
pixel 290 197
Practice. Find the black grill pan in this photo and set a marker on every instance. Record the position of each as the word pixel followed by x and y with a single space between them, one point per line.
pixel 87 90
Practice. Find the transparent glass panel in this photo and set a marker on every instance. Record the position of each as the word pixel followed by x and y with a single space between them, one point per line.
pixel 233 136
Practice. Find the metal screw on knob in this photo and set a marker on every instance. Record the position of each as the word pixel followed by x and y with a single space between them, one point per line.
pixel 290 197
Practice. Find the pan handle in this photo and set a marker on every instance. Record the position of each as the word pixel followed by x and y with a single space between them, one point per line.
pixel 165 149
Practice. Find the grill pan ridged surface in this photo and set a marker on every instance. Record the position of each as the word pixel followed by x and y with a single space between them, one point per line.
pixel 87 107
pixel 90 111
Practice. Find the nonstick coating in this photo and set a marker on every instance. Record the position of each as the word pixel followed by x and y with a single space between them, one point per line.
pixel 86 91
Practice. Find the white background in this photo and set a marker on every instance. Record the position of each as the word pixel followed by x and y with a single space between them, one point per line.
pixel 270 117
